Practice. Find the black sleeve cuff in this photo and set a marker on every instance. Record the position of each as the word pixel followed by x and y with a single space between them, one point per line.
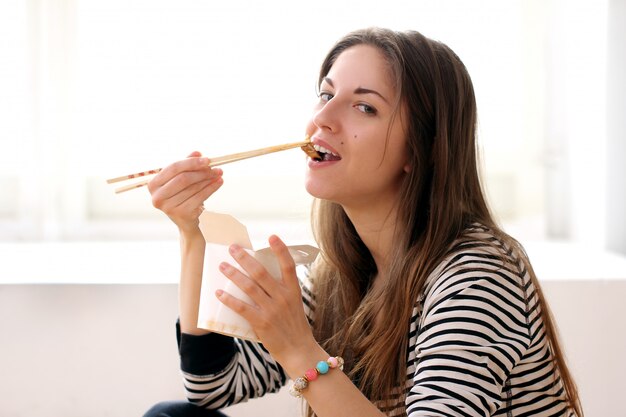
pixel 205 354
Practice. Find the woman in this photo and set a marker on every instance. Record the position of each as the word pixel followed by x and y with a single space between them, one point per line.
pixel 435 310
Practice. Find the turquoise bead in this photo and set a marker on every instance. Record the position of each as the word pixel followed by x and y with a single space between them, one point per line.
pixel 322 367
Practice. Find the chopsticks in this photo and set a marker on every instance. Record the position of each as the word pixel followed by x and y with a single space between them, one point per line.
pixel 213 162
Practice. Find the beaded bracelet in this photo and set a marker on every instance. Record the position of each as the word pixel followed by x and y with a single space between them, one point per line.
pixel 321 368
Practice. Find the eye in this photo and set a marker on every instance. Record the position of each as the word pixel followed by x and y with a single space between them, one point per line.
pixel 366 108
pixel 325 96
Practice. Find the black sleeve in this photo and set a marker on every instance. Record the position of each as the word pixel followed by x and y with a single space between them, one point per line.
pixel 205 354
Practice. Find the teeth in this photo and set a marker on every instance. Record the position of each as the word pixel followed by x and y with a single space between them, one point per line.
pixel 323 149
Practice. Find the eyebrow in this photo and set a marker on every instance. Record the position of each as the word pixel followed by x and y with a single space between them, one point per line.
pixel 359 90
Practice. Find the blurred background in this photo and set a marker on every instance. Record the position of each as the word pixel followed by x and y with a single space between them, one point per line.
pixel 96 89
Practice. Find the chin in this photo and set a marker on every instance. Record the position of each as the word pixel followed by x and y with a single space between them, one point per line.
pixel 318 190
pixel 312 190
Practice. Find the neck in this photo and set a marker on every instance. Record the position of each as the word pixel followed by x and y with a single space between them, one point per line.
pixel 376 228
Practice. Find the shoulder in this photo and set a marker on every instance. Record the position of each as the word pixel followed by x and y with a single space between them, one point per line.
pixel 482 263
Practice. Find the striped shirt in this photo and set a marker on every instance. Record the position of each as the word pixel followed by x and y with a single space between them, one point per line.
pixel 477 345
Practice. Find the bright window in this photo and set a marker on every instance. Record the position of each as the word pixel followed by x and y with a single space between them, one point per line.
pixel 94 89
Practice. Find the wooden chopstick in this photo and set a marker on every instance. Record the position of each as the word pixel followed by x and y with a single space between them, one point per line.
pixel 213 162
pixel 132 176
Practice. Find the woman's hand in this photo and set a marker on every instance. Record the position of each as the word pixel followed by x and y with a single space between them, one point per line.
pixel 277 315
pixel 181 188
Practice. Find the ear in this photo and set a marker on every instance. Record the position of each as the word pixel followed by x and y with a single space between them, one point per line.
pixel 407 168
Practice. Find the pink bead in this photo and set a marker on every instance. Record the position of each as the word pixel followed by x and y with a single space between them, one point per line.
pixel 311 374
pixel 332 362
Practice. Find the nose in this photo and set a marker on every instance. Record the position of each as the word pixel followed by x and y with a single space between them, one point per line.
pixel 326 117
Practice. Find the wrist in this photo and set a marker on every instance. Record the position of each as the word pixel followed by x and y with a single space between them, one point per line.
pixel 305 358
pixel 190 234
pixel 311 374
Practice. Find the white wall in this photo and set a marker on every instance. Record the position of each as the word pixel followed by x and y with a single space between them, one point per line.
pixel 96 351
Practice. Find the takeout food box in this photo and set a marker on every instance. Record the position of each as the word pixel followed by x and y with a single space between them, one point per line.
pixel 220 231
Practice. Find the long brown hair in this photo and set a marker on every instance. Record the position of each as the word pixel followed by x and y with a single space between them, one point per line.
pixel 439 198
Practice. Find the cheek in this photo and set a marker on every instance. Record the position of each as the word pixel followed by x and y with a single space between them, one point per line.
pixel 310 127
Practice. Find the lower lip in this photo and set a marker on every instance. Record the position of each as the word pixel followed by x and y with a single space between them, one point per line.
pixel 320 164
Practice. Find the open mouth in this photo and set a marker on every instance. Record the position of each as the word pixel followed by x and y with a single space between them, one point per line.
pixel 325 154
pixel 311 152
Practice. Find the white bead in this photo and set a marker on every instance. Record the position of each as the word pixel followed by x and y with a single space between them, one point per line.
pixel 298 385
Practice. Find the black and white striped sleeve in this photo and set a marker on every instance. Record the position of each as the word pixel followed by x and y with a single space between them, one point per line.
pixel 472 331
pixel 250 372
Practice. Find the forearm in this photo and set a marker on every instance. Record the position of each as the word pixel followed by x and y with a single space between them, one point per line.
pixel 219 371
pixel 192 247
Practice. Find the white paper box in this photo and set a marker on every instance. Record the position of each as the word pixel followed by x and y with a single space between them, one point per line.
pixel 220 231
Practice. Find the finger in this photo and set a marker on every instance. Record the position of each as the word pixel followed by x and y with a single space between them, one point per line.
pixel 208 190
pixel 253 268
pixel 285 261
pixel 242 308
pixel 180 188
pixel 172 170
pixel 192 195
pixel 183 179
pixel 244 283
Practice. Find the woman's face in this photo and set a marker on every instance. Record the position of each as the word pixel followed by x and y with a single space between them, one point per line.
pixel 354 119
